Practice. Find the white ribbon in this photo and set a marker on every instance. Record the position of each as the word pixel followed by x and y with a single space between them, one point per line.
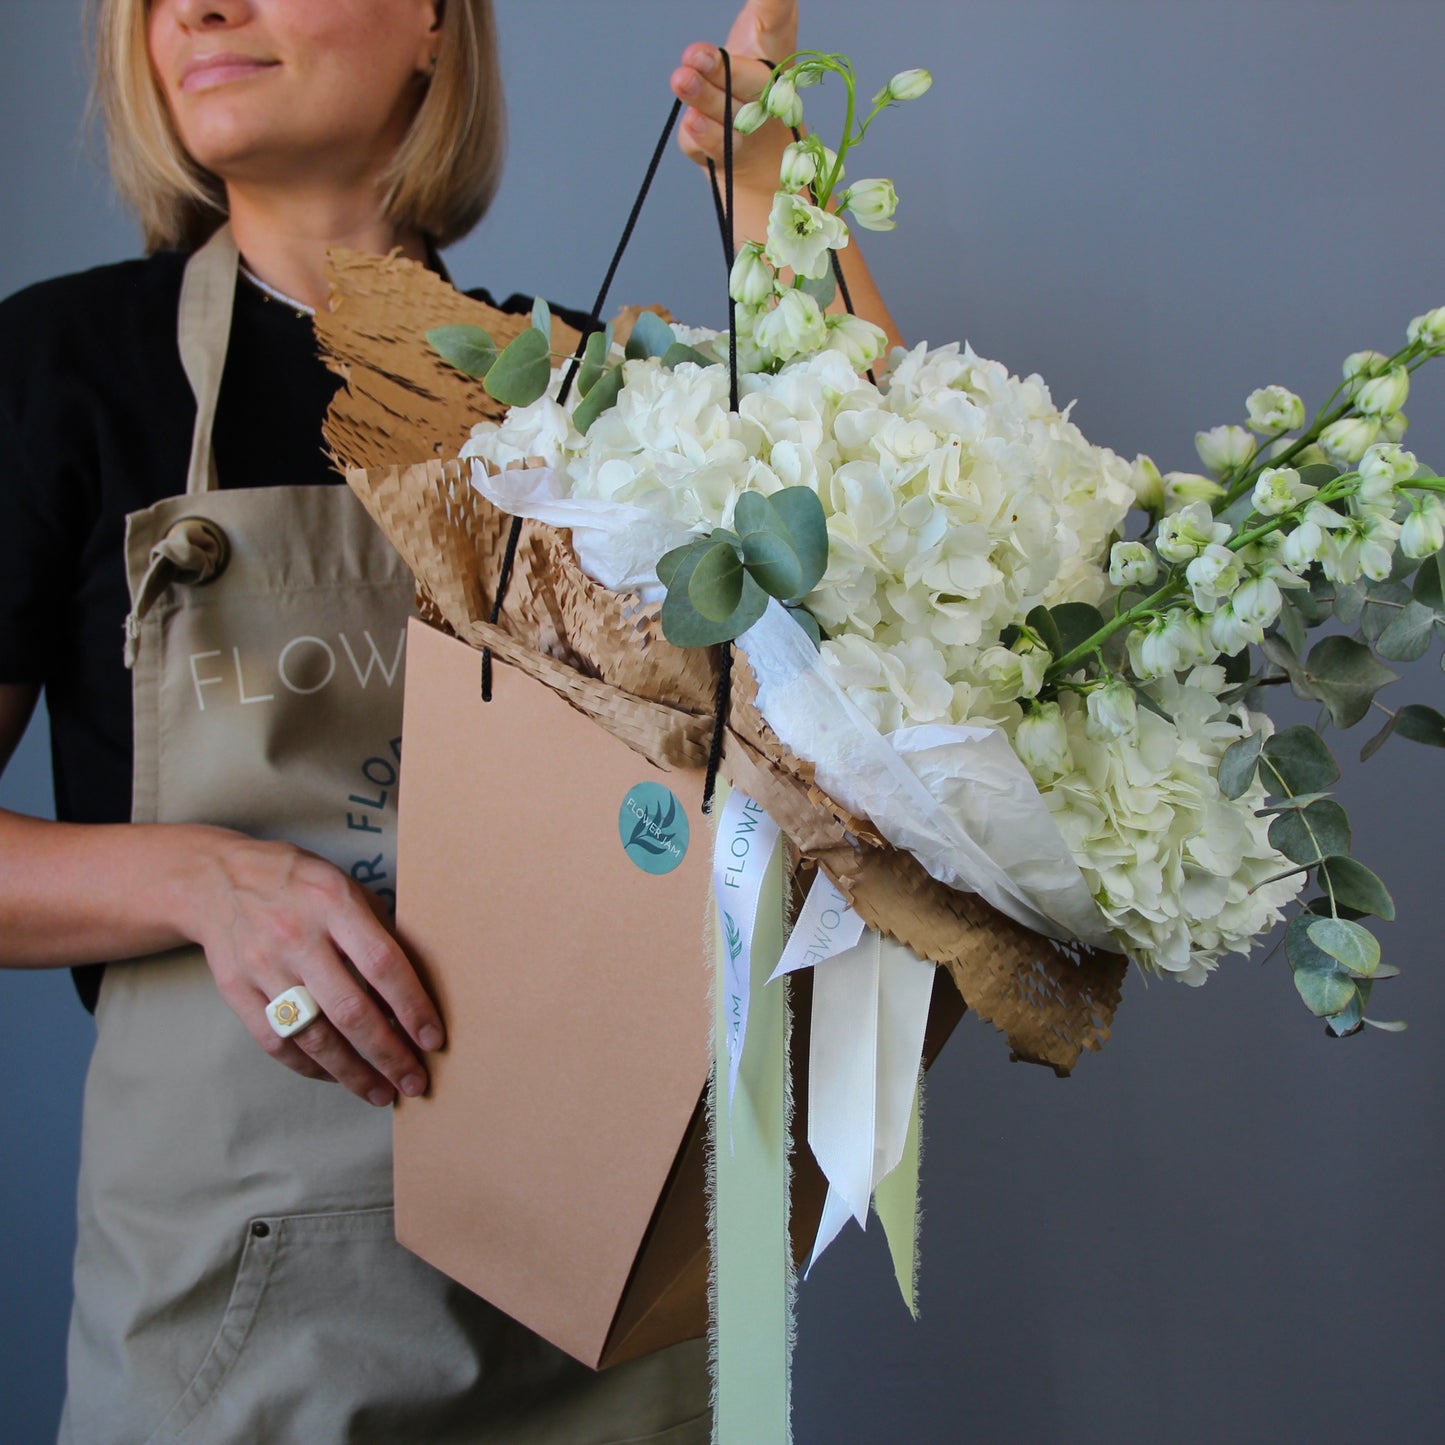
pixel 746 838
pixel 825 928
pixel 870 1009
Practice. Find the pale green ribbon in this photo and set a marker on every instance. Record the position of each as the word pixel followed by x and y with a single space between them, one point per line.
pixel 752 1255
pixel 896 1202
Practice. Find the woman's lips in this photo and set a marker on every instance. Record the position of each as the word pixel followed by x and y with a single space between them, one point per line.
pixel 208 71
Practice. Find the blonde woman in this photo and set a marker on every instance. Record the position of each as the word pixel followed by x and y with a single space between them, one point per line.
pixel 216 627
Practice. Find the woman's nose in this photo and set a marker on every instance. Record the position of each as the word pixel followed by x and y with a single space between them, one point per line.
pixel 208 14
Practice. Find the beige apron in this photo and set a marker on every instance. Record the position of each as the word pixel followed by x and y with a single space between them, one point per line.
pixel 237 1279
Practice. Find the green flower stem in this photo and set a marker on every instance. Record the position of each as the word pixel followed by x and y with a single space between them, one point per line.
pixel 1308 438
pixel 1140 610
pixel 1411 356
pixel 1341 487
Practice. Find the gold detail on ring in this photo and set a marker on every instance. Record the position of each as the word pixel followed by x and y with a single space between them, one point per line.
pixel 287 1012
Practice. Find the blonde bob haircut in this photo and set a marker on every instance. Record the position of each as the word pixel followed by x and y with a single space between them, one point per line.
pixel 441 180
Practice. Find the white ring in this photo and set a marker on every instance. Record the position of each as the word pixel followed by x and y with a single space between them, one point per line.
pixel 290 1012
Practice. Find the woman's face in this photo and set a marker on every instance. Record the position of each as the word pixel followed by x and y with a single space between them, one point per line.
pixel 278 92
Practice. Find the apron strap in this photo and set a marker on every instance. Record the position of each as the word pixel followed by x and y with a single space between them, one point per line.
pixel 208 293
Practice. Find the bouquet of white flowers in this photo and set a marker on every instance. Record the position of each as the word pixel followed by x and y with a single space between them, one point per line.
pixel 967 569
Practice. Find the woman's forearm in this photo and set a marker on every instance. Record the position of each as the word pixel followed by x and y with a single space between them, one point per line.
pixel 90 893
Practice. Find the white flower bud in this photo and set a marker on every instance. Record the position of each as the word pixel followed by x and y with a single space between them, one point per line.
pixel 909 84
pixel 1364 546
pixel 1429 329
pixel 783 101
pixel 1183 535
pixel 872 203
pixel 1257 601
pixel 1274 409
pixel 1347 440
pixel 749 118
pixel 1213 575
pixel 1223 448
pixel 860 341
pixel 1384 395
pixel 1182 487
pixel 1113 713
pixel 1302 546
pixel 1390 462
pixel 1394 427
pixel 1361 365
pixel 1147 483
pixel 1279 490
pixel 799 166
pixel 1132 564
pixel 1169 644
pixel 1423 531
pixel 751 281
pixel 1230 632
pixel 794 326
pixel 1042 742
pixel 1003 672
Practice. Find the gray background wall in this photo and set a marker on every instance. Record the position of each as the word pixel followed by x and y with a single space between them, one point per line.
pixel 1225 1226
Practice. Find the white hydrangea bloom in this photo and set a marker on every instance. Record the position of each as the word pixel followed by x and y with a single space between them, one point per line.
pixel 958 498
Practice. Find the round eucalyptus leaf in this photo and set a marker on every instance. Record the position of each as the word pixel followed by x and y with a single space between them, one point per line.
pixel 1352 884
pixel 684 626
pixel 1324 986
pixel 680 351
pixel 808 623
pixel 773 563
pixel 1350 944
pixel 715 583
pixel 1297 761
pixel 651 336
pixel 1408 633
pixel 594 361
pixel 1310 834
pixel 521 373
pixel 1351 1018
pixel 1076 623
pixel 468 348
pixel 601 394
pixel 1383 601
pixel 1345 675
pixel 1421 724
pixel 1429 586
pixel 1238 765
pixel 542 318
pixel 802 514
pixel 669 563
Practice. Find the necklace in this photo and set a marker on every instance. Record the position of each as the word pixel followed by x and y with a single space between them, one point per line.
pixel 300 307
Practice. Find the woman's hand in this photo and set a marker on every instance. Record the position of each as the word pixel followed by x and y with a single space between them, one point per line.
pixel 764 30
pixel 270 916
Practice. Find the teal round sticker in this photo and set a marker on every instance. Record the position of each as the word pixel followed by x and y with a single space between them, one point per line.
pixel 653 828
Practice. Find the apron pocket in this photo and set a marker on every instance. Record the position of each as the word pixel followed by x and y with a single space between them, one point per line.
pixel 333 1332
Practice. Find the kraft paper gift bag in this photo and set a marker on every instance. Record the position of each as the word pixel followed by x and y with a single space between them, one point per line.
pixel 553 890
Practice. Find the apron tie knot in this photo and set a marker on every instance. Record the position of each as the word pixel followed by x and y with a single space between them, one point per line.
pixel 193 552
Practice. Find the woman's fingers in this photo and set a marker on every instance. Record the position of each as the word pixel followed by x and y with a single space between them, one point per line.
pixel 699 81
pixel 281 917
pixel 767 29
pixel 379 960
pixel 249 1005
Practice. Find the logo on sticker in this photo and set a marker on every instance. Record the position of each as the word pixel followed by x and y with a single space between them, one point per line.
pixel 653 828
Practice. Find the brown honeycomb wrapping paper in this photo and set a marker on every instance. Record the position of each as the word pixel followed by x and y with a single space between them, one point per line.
pixel 395 428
